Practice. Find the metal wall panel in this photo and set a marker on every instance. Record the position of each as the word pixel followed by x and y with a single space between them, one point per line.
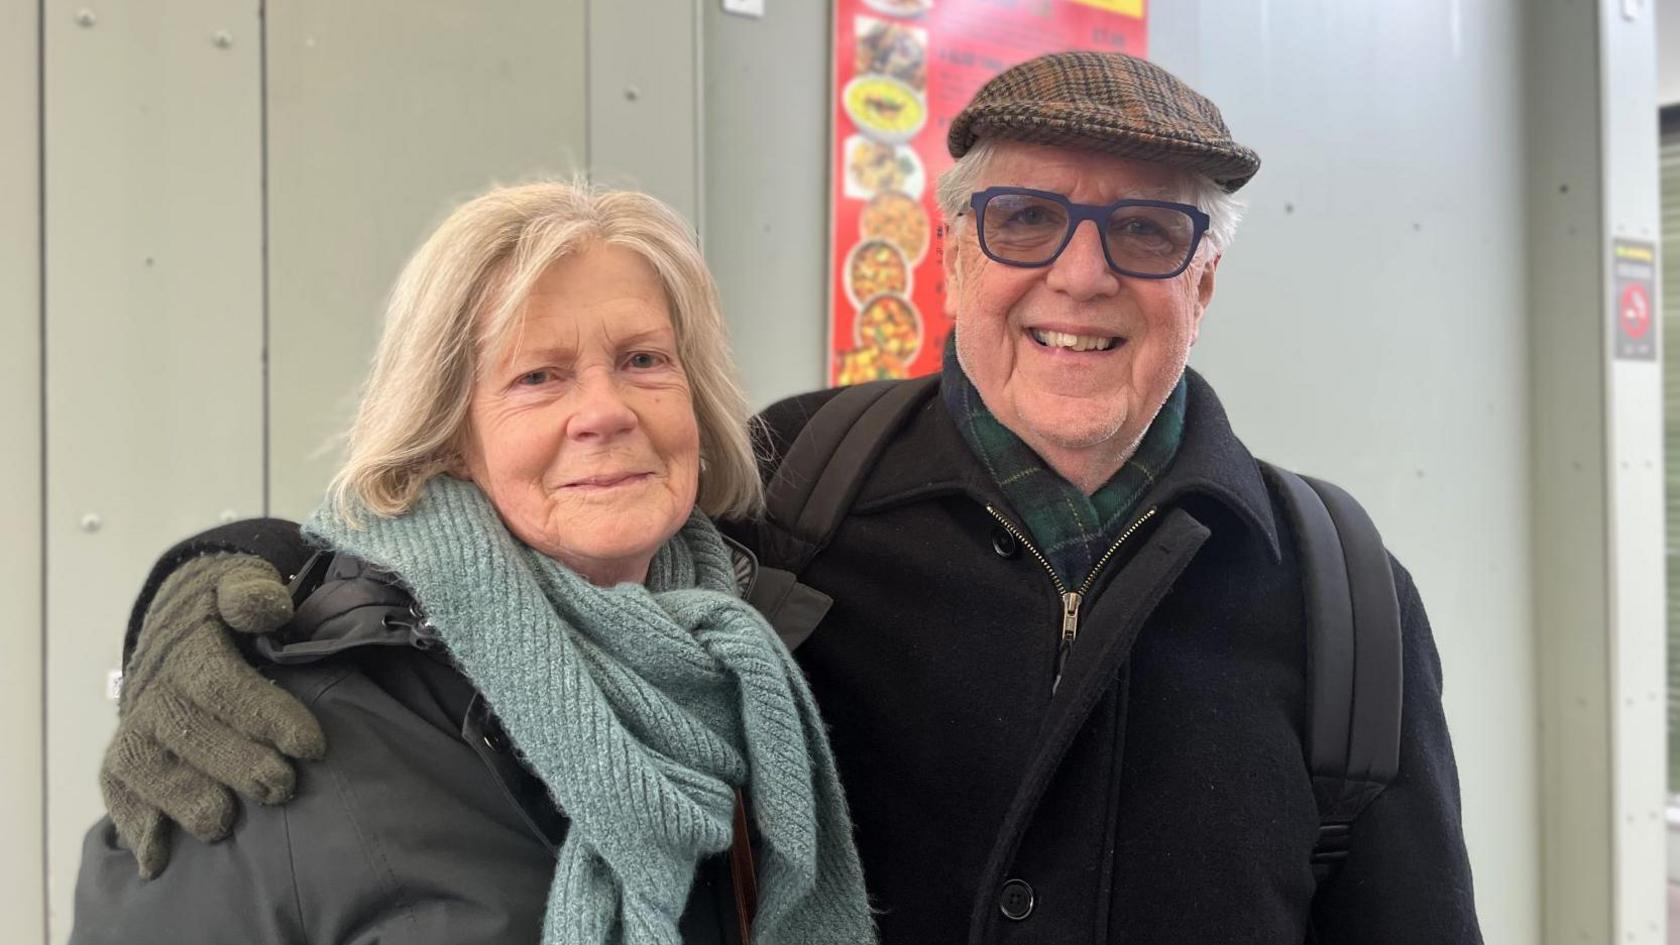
pixel 1631 210
pixel 22 883
pixel 1597 466
pixel 154 371
pixel 1570 551
pixel 766 189
pixel 645 98
pixel 381 117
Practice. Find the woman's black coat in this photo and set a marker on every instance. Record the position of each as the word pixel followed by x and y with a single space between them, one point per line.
pixel 421 826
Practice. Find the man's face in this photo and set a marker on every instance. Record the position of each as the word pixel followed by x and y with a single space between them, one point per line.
pixel 1083 411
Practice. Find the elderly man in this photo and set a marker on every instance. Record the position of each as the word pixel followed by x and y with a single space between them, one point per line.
pixel 1065 663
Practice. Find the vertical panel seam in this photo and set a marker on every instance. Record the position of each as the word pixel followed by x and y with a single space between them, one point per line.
pixel 41 423
pixel 1613 714
pixel 588 90
pixel 699 137
pixel 263 240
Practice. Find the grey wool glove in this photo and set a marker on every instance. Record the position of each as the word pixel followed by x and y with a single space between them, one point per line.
pixel 194 718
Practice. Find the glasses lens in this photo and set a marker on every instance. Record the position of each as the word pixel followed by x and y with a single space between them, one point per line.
pixel 1023 228
pixel 1149 240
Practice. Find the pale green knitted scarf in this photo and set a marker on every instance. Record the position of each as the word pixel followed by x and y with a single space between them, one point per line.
pixel 643 708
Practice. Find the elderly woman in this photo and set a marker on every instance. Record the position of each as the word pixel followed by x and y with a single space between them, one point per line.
pixel 522 636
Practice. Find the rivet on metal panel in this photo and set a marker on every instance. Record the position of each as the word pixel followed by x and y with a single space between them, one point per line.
pixel 85 17
pixel 631 93
pixel 91 523
pixel 222 38
pixel 228 516
pixel 150 262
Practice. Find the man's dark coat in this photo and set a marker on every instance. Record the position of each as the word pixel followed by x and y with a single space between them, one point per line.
pixel 1160 795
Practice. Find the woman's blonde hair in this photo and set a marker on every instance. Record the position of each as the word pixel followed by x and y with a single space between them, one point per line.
pixel 459 302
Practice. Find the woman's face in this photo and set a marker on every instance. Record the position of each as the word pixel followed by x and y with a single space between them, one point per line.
pixel 583 433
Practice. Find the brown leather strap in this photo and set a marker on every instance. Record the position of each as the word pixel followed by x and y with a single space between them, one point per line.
pixel 743 871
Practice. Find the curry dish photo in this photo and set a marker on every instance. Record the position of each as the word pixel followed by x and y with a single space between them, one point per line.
pixel 898 219
pixel 876 266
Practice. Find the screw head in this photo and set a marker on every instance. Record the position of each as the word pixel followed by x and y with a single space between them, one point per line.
pixel 228 516
pixel 631 93
pixel 91 523
pixel 222 38
pixel 85 17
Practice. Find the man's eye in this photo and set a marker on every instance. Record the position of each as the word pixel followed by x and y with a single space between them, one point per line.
pixel 644 360
pixel 1138 226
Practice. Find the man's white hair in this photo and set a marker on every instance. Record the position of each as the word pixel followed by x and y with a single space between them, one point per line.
pixel 1224 209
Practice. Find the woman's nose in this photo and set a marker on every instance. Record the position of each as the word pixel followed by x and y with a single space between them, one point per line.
pixel 1082 269
pixel 601 410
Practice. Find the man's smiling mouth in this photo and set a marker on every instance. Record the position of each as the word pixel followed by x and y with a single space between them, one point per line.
pixel 1061 339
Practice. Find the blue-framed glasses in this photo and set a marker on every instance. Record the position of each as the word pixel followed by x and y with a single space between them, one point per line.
pixel 1145 239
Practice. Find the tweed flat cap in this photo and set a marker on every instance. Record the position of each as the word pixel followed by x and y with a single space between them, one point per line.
pixel 1108 102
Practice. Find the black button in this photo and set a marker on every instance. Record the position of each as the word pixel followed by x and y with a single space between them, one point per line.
pixel 1016 902
pixel 1004 543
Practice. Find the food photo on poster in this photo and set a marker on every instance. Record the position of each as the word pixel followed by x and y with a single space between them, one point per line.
pixel 903 69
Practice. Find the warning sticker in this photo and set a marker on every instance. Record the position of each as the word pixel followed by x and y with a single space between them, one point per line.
pixel 1635 265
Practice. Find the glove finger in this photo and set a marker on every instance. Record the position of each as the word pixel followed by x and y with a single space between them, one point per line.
pixel 141 828
pixel 152 779
pixel 185 600
pixel 251 597
pixel 246 700
pixel 227 757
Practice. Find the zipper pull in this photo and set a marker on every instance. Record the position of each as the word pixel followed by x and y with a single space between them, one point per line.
pixel 1070 631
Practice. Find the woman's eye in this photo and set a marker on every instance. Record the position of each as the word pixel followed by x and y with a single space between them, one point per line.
pixel 644 360
pixel 534 378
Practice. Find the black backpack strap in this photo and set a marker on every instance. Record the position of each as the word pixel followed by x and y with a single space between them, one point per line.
pixel 1353 626
pixel 813 488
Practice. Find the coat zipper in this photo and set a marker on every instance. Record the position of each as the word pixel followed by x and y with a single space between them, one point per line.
pixel 1071 600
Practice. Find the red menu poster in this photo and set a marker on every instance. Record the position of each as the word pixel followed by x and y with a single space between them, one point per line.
pixel 903 69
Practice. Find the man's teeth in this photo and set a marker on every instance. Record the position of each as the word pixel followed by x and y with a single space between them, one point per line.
pixel 1061 339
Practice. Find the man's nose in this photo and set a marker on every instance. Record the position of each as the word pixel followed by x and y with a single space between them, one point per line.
pixel 1082 269
pixel 601 411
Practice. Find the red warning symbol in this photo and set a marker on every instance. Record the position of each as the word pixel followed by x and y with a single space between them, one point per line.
pixel 1635 310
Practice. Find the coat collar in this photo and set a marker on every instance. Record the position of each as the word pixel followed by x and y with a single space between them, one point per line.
pixel 930 458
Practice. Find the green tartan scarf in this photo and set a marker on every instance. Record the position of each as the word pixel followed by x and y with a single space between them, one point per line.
pixel 1072 529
